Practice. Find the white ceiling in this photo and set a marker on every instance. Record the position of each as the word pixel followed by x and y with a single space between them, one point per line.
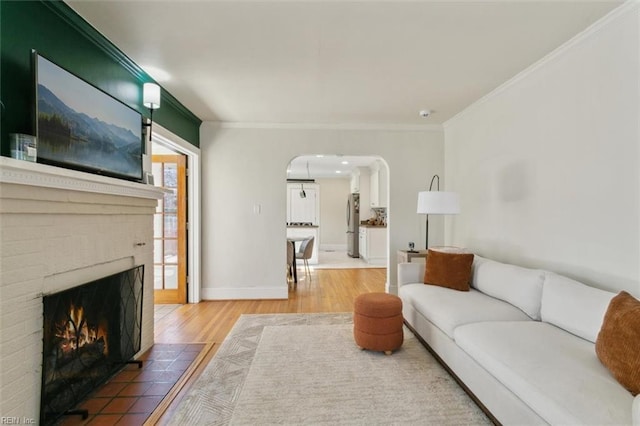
pixel 326 166
pixel 336 62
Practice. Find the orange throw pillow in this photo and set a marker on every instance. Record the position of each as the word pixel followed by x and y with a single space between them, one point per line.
pixel 451 270
pixel 618 342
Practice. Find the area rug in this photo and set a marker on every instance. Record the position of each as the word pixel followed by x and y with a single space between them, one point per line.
pixel 306 369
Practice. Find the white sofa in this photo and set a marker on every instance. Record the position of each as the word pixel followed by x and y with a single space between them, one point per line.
pixel 522 341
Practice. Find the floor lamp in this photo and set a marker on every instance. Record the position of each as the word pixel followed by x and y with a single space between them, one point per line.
pixel 437 202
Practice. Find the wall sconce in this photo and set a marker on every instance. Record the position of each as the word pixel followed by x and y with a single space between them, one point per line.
pixel 437 202
pixel 151 100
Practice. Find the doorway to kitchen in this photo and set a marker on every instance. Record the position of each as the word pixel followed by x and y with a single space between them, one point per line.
pixel 334 179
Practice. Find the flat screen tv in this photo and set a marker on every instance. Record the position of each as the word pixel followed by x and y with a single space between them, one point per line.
pixel 83 128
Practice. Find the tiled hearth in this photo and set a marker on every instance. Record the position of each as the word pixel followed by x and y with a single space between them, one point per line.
pixel 134 393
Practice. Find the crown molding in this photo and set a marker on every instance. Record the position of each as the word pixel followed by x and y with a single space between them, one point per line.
pixel 327 126
pixel 608 19
pixel 86 30
pixel 66 13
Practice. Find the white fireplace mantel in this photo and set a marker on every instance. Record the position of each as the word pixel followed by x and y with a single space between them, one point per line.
pixel 40 175
pixel 62 228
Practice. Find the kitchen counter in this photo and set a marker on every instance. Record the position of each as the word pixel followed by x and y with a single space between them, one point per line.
pixel 373 226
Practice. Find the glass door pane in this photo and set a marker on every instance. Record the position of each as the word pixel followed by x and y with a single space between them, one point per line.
pixel 169 230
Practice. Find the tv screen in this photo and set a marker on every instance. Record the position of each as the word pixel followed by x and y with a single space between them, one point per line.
pixel 81 127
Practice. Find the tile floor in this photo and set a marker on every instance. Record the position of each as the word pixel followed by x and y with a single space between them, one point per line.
pixel 338 259
pixel 131 395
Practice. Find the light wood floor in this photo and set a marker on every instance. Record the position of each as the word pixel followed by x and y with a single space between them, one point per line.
pixel 329 290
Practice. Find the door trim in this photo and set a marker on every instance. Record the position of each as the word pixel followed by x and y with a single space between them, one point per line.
pixel 194 243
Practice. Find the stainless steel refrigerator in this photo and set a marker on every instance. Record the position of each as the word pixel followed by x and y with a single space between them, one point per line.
pixel 353 222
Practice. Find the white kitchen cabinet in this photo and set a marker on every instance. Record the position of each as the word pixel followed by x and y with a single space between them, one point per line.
pixel 373 244
pixel 383 189
pixel 374 197
pixel 355 182
pixel 303 209
pixel 365 203
pixel 362 243
pixel 304 232
pixel 378 185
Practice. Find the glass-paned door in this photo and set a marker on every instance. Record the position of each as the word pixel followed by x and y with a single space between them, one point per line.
pixel 170 230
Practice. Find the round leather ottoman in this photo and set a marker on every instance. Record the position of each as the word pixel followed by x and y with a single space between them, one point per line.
pixel 377 322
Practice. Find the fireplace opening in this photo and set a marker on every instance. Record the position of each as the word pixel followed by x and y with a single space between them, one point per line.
pixel 90 332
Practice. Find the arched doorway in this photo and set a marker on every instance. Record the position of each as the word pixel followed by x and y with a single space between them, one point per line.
pixel 321 193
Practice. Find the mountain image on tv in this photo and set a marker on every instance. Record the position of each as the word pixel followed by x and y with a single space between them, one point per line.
pixel 70 137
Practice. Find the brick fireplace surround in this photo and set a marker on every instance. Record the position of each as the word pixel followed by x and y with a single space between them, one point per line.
pixel 58 229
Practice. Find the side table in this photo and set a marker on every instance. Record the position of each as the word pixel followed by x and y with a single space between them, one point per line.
pixel 406 256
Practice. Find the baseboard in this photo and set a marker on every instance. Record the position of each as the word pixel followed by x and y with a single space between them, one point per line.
pixel 245 293
pixel 379 261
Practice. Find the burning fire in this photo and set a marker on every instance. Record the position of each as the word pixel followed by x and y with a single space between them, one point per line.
pixel 75 332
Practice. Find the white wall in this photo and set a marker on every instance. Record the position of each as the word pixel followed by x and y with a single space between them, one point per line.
pixel 245 172
pixel 333 206
pixel 547 165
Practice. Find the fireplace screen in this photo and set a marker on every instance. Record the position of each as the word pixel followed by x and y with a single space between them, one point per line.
pixel 90 331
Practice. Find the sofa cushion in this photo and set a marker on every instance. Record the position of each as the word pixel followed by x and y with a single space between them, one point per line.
pixel 618 343
pixel 555 373
pixel 522 287
pixel 573 306
pixel 448 269
pixel 447 309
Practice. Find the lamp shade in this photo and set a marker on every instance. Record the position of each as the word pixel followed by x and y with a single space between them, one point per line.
pixel 151 95
pixel 438 202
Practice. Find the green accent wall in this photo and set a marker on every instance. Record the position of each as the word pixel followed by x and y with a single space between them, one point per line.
pixel 53 29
